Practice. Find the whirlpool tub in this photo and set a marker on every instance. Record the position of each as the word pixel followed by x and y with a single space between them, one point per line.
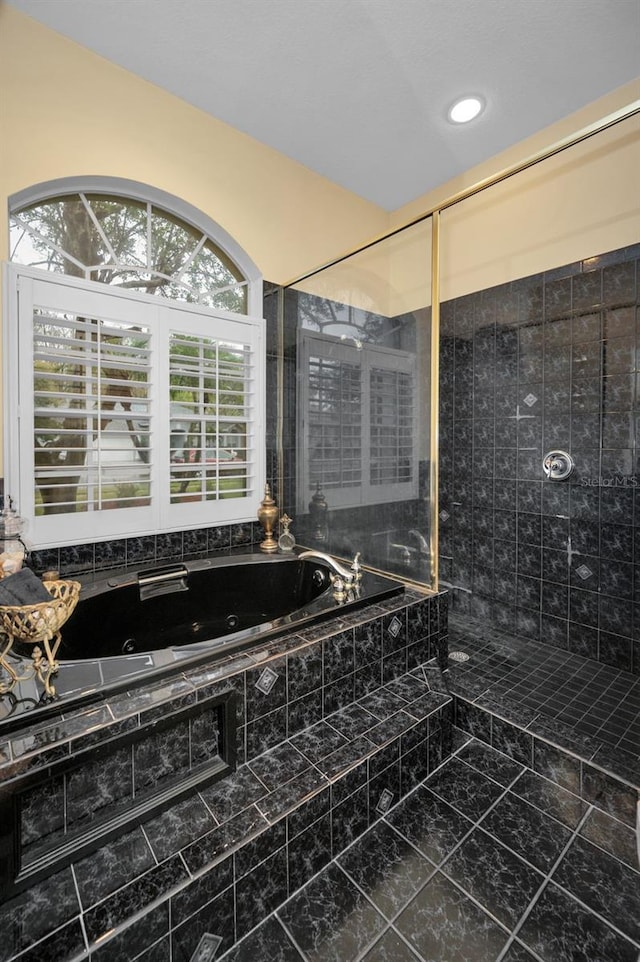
pixel 149 623
pixel 224 602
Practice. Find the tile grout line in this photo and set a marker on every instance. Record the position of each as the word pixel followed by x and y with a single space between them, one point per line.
pixel 438 866
pixel 575 833
pixel 351 880
pixel 323 868
pixel 547 879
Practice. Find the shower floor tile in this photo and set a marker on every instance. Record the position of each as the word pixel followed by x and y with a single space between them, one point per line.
pixel 386 868
pixel 443 923
pixel 589 708
pixel 498 879
pixel 546 879
pixel 527 831
pixel 560 929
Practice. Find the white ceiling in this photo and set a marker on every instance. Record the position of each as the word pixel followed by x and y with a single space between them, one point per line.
pixel 358 90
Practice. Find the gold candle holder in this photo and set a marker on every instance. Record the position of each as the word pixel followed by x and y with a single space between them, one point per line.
pixel 268 517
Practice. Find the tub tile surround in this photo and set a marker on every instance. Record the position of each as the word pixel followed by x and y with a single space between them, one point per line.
pixel 190 544
pixel 543 363
pixel 239 847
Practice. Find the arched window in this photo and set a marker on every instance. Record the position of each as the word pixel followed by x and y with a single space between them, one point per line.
pixel 132 236
pixel 137 403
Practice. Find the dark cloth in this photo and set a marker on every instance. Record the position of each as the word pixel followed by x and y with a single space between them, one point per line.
pixel 22 588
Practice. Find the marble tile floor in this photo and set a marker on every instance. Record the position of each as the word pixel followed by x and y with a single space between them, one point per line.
pixel 484 861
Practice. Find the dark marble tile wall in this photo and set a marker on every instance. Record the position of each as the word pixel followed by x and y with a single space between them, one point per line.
pixel 92 558
pixel 547 362
pixel 334 726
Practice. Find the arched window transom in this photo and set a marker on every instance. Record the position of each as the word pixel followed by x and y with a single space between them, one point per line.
pixel 129 244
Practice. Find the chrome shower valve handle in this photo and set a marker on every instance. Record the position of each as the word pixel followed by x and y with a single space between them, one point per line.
pixel 557 465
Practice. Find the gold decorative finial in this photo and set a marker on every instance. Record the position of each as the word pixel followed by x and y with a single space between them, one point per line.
pixel 268 517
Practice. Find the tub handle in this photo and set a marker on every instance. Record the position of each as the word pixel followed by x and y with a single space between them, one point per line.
pixel 162 581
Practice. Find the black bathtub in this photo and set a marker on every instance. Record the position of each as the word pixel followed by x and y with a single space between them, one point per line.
pixel 204 603
pixel 131 627
pixel 222 604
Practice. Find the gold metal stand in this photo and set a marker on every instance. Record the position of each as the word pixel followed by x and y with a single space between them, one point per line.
pixel 41 667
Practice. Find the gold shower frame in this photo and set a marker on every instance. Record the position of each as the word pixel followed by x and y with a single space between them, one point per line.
pixel 571 140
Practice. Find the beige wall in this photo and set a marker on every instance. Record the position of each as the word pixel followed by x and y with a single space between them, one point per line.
pixel 66 112
pixel 575 205
pixel 390 277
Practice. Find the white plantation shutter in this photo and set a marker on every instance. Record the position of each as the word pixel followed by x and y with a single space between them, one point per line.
pixel 357 422
pixel 334 419
pixel 91 382
pixel 392 423
pixel 129 415
pixel 212 387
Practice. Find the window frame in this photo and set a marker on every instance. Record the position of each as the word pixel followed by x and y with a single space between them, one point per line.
pixel 20 284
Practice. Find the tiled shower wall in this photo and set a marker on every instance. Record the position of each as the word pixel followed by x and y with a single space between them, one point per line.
pixel 547 362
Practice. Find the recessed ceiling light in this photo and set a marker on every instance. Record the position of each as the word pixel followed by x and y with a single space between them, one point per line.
pixel 465 109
